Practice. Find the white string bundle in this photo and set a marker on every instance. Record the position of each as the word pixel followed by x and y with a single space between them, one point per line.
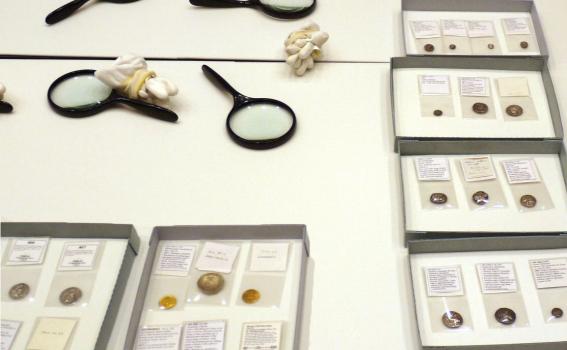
pixel 304 47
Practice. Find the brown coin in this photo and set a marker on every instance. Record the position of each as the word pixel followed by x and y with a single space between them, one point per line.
pixel 19 291
pixel 211 283
pixel 491 46
pixel 528 201
pixel 480 197
pixel 505 316
pixel 429 47
pixel 167 302
pixel 452 319
pixel 438 198
pixel 557 312
pixel 452 46
pixel 524 45
pixel 437 112
pixel 251 296
pixel 70 295
pixel 480 108
pixel 514 110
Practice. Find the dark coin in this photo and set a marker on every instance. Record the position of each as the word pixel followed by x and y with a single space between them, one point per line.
pixel 452 319
pixel 480 197
pixel 429 47
pixel 505 316
pixel 524 45
pixel 557 312
pixel 70 296
pixel 491 46
pixel 452 46
pixel 19 291
pixel 437 112
pixel 211 283
pixel 480 108
pixel 438 198
pixel 514 110
pixel 528 201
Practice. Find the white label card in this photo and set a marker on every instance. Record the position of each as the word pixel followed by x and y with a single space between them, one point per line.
pixel 261 336
pixel 513 87
pixel 269 257
pixel 519 171
pixel 426 29
pixel 175 259
pixel 204 335
pixel 474 86
pixel 480 29
pixel 8 331
pixel 451 27
pixel 515 26
pixel 497 278
pixel 217 257
pixel 433 169
pixel 478 169
pixel 51 334
pixel 444 281
pixel 78 256
pixel 550 273
pixel 27 251
pixel 434 85
pixel 159 337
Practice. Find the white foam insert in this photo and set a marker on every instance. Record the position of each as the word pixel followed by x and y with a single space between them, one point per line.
pixel 90 316
pixel 537 331
pixel 495 17
pixel 410 122
pixel 508 219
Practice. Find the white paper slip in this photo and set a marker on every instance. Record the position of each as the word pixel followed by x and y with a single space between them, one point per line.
pixel 78 256
pixel 8 331
pixel 51 334
pixel 550 273
pixel 175 259
pixel 497 278
pixel 432 169
pixel 453 27
pixel 162 337
pixel 426 29
pixel 269 257
pixel 434 85
pixel 444 281
pixel 516 26
pixel 519 171
pixel 217 257
pixel 480 29
pixel 513 87
pixel 478 169
pixel 261 336
pixel 27 251
pixel 204 335
pixel 474 86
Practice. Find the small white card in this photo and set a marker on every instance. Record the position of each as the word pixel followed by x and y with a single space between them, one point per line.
pixel 434 85
pixel 175 258
pixel 204 335
pixel 478 169
pixel 51 334
pixel 444 281
pixel 520 171
pixel 453 27
pixel 217 257
pixel 497 278
pixel 515 26
pixel 261 336
pixel 269 257
pixel 8 331
pixel 162 337
pixel 426 29
pixel 28 251
pixel 550 273
pixel 78 256
pixel 433 169
pixel 480 29
pixel 513 87
pixel 474 86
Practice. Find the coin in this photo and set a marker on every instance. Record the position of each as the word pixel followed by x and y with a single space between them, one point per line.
pixel 452 46
pixel 557 312
pixel 251 296
pixel 437 112
pixel 480 108
pixel 438 198
pixel 70 295
pixel 452 319
pixel 19 291
pixel 480 197
pixel 528 201
pixel 514 110
pixel 211 283
pixel 491 46
pixel 524 45
pixel 429 47
pixel 505 316
pixel 167 302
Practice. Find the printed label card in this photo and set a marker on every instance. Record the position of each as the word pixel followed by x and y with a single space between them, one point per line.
pixel 217 257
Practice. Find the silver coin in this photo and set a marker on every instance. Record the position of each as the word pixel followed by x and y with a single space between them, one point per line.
pixel 70 296
pixel 438 198
pixel 480 197
pixel 19 291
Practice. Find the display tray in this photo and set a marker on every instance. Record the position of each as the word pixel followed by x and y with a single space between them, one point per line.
pixel 513 107
pixel 479 278
pixel 477 27
pixel 263 283
pixel 62 283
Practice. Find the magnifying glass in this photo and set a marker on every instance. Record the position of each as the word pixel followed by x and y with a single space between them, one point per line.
pixel 257 123
pixel 285 9
pixel 80 94
pixel 68 9
pixel 5 107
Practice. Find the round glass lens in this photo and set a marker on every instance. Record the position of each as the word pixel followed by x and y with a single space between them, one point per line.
pixel 287 5
pixel 80 91
pixel 261 121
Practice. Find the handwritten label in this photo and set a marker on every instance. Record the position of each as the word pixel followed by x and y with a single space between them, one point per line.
pixel 426 29
pixel 480 29
pixel 478 169
pixel 434 85
pixel 217 257
pixel 269 257
pixel 513 87
pixel 451 27
pixel 519 171
pixel 51 334
pixel 474 86
pixel 516 26
pixel 175 259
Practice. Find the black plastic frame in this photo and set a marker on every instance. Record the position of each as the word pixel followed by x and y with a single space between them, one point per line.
pixel 256 3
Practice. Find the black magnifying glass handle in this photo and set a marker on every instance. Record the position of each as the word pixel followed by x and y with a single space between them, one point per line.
pixel 64 11
pixel 149 109
pixel 5 107
pixel 238 97
pixel 223 3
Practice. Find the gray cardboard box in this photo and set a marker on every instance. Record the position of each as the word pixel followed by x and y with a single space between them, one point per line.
pixel 245 232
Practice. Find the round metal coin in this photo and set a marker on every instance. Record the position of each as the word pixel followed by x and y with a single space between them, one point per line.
pixel 438 198
pixel 452 319
pixel 505 316
pixel 557 312
pixel 524 45
pixel 452 46
pixel 70 296
pixel 167 302
pixel 480 197
pixel 19 291
pixel 211 283
pixel 429 47
pixel 251 296
pixel 480 108
pixel 491 46
pixel 514 110
pixel 437 112
pixel 528 201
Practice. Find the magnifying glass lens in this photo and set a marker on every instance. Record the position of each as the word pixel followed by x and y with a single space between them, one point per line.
pixel 287 5
pixel 80 91
pixel 261 121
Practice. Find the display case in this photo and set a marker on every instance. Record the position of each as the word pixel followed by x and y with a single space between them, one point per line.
pixel 62 283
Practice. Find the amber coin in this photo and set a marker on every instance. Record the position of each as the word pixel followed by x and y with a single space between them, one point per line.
pixel 480 108
pixel 452 319
pixel 491 46
pixel 557 312
pixel 524 45
pixel 19 291
pixel 211 283
pixel 480 197
pixel 452 46
pixel 437 112
pixel 251 296
pixel 505 316
pixel 528 201
pixel 429 47
pixel 514 110
pixel 167 302
pixel 70 296
pixel 438 198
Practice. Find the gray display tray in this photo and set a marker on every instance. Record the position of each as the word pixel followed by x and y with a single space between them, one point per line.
pixel 229 232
